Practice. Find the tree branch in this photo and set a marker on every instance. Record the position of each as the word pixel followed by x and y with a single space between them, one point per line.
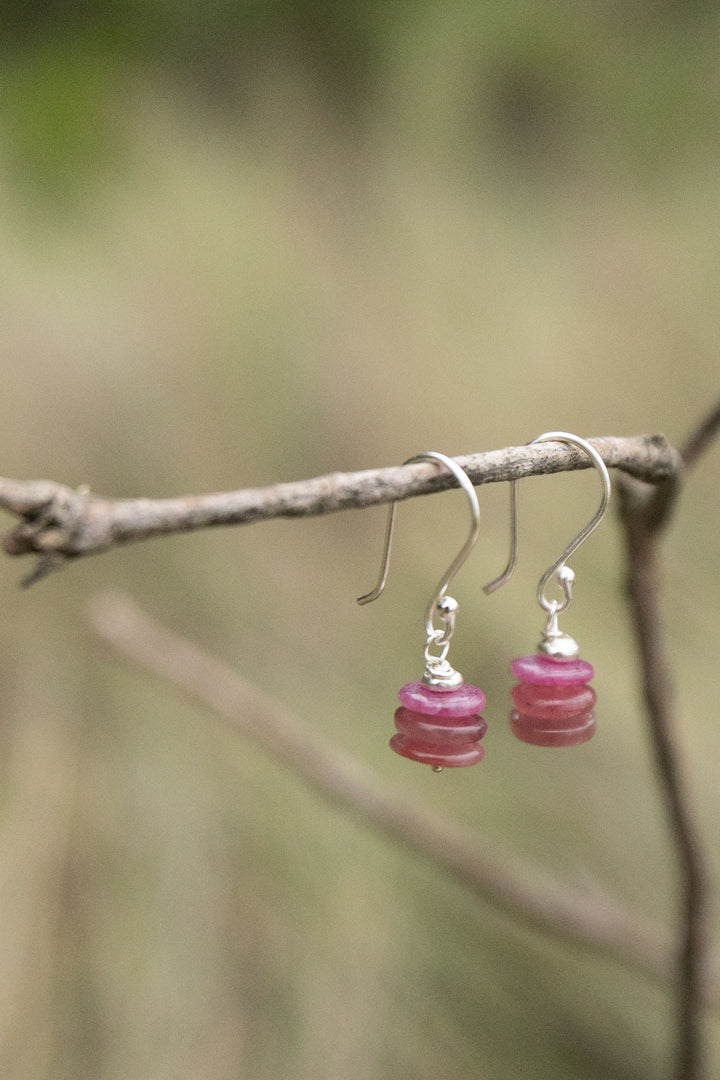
pixel 59 523
pixel 645 513
pixel 590 920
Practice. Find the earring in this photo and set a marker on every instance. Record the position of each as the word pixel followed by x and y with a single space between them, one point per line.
pixel 553 702
pixel 438 722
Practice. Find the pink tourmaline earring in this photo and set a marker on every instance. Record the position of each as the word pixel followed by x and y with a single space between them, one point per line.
pixel 438 722
pixel 553 703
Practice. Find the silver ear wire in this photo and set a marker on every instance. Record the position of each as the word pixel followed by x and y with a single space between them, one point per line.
pixel 554 642
pixel 437 671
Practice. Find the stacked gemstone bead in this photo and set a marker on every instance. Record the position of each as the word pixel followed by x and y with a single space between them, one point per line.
pixel 553 703
pixel 439 727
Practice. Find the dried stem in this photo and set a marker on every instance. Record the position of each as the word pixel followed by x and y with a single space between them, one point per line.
pixel 555 908
pixel 59 523
pixel 645 512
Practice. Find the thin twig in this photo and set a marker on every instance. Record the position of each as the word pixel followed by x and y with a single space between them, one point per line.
pixel 645 512
pixel 58 523
pixel 700 439
pixel 587 919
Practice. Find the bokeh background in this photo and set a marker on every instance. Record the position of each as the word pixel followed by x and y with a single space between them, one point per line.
pixel 246 242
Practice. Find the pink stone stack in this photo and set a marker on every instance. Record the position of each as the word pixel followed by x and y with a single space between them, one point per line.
pixel 553 703
pixel 441 728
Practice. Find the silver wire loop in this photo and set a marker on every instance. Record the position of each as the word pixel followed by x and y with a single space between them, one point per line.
pixel 444 606
pixel 436 638
pixel 564 577
pixel 562 574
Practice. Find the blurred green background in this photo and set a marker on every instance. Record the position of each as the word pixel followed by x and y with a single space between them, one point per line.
pixel 252 242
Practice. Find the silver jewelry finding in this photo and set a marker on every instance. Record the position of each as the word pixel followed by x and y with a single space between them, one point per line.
pixel 438 672
pixel 554 642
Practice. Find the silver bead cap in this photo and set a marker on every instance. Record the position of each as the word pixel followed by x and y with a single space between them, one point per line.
pixel 439 675
pixel 555 643
pixel 561 647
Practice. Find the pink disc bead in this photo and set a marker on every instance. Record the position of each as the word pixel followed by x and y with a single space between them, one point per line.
pixel 430 754
pixel 553 702
pixel 525 729
pixel 542 670
pixel 438 729
pixel 464 701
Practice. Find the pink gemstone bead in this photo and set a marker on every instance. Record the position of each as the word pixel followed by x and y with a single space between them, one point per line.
pixel 542 670
pixel 464 701
pixel 430 754
pixel 553 702
pixel 436 729
pixel 523 727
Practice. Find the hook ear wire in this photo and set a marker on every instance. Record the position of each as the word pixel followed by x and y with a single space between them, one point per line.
pixel 498 582
pixel 462 479
pixel 379 588
pixel 565 580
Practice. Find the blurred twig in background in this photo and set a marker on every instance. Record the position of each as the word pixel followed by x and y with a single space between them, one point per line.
pixel 556 908
pixel 645 511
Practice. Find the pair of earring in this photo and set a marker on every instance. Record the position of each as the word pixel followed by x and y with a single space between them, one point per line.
pixel 439 722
